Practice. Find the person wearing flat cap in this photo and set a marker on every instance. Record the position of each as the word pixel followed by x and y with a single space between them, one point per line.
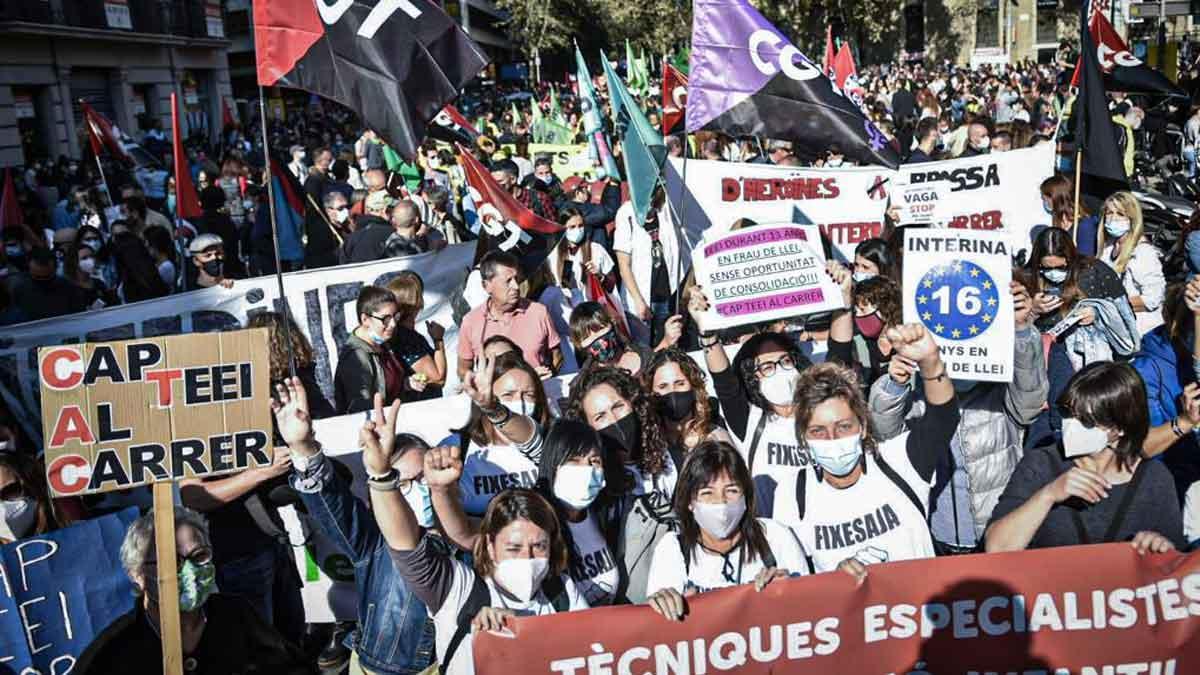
pixel 208 255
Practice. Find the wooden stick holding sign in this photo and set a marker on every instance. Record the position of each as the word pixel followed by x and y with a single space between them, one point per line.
pixel 165 551
pixel 118 415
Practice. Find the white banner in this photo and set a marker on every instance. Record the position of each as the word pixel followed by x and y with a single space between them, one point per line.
pixel 960 293
pixel 322 304
pixel 764 273
pixel 846 203
pixel 997 191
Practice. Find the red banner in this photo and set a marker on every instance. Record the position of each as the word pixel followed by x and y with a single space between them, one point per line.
pixel 1095 610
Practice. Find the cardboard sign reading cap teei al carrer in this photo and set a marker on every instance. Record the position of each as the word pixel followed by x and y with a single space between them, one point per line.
pixel 116 415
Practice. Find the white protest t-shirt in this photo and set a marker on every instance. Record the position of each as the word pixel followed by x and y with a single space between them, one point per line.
pixel 446 619
pixel 490 470
pixel 660 487
pixel 711 570
pixel 594 569
pixel 777 459
pixel 872 520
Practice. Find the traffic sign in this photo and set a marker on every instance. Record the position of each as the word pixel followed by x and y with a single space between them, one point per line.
pixel 1152 10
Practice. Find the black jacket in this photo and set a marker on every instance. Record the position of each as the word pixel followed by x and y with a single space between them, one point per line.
pixel 366 243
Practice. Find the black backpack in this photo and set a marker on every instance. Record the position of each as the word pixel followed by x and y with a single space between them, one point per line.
pixel 480 597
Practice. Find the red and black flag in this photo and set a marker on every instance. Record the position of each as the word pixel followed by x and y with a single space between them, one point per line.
pixel 101 133
pixel 1122 70
pixel 452 127
pixel 187 202
pixel 674 99
pixel 1102 169
pixel 395 62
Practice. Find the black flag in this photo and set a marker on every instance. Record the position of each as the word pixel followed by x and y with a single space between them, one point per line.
pixel 1103 171
pixel 395 62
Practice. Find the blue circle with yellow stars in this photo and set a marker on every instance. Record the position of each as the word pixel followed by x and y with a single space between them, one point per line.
pixel 957 301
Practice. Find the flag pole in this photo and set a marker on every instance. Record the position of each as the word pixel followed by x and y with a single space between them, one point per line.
pixel 103 180
pixel 287 312
pixel 1078 176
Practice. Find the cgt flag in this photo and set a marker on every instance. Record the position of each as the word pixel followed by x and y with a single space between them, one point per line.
pixel 674 98
pixel 846 75
pixel 187 203
pixel 452 127
pixel 101 133
pixel 1122 70
pixel 747 79
pixel 394 62
pixel 502 221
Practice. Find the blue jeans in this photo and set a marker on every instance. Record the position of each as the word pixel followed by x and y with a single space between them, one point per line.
pixel 1189 161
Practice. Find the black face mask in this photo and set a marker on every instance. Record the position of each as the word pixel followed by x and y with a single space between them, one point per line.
pixel 606 347
pixel 624 435
pixel 677 405
pixel 213 268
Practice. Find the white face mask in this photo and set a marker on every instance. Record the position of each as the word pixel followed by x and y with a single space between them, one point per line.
pixel 521 577
pixel 780 388
pixel 860 277
pixel 341 215
pixel 20 515
pixel 575 235
pixel 87 265
pixel 719 520
pixel 834 163
pixel 1080 440
pixel 838 456
pixel 421 503
pixel 578 486
pixel 519 407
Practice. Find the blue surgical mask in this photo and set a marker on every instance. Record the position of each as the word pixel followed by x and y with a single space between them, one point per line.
pixel 171 203
pixel 1055 276
pixel 16 251
pixel 421 503
pixel 1116 227
pixel 838 456
pixel 376 339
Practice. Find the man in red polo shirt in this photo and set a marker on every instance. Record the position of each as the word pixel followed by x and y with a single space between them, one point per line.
pixel 506 313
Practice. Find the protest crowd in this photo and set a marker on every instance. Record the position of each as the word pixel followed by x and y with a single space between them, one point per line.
pixel 614 448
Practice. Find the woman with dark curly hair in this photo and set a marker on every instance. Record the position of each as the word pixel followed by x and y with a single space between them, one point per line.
pixel 676 385
pixel 877 306
pixel 866 500
pixel 613 403
pixel 318 406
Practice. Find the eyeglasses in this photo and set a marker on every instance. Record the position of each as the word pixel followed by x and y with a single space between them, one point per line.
pixel 12 491
pixel 199 556
pixel 768 368
pixel 385 320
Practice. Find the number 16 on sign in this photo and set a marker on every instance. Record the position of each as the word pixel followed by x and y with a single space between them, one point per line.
pixel 956 285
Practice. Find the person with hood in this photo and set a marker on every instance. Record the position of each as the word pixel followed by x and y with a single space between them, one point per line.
pixel 986 445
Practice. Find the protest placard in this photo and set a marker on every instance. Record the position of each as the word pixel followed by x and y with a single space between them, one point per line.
pixel 922 203
pixel 996 191
pixel 956 285
pixel 763 273
pixel 847 204
pixel 1073 610
pixel 566 160
pixel 120 414
pixel 61 591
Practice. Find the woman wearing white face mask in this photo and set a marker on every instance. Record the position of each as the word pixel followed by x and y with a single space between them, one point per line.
pixel 757 394
pixel 720 543
pixel 1097 488
pixel 1137 261
pixel 519 559
pixel 867 500
pixel 501 444
pixel 582 480
pixel 572 261
pixel 25 500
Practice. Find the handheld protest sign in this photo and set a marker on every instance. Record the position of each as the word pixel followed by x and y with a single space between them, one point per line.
pixel 764 273
pixel 923 203
pixel 117 415
pixel 956 284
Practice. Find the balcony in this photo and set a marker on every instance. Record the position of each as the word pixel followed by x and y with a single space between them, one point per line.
pixel 178 18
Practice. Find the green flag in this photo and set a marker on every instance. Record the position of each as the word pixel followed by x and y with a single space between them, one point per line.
pixel 644 152
pixel 631 71
pixel 516 116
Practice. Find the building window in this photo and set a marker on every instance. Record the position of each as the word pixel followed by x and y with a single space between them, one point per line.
pixel 987 24
pixel 1047 21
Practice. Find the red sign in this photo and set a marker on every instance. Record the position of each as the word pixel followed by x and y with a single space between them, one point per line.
pixel 1074 610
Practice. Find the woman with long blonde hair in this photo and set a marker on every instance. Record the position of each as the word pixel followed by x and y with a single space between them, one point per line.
pixel 1124 248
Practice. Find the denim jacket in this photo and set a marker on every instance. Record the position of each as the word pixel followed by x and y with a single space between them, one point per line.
pixel 395 633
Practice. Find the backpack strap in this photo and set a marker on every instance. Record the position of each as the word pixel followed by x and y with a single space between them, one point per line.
pixel 801 486
pixel 478 598
pixel 768 557
pixel 556 592
pixel 1114 527
pixel 900 483
pixel 758 432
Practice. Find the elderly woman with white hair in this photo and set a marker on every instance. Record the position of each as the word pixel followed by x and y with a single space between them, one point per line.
pixel 221 633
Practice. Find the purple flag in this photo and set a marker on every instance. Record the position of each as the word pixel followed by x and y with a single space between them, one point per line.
pixel 748 79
